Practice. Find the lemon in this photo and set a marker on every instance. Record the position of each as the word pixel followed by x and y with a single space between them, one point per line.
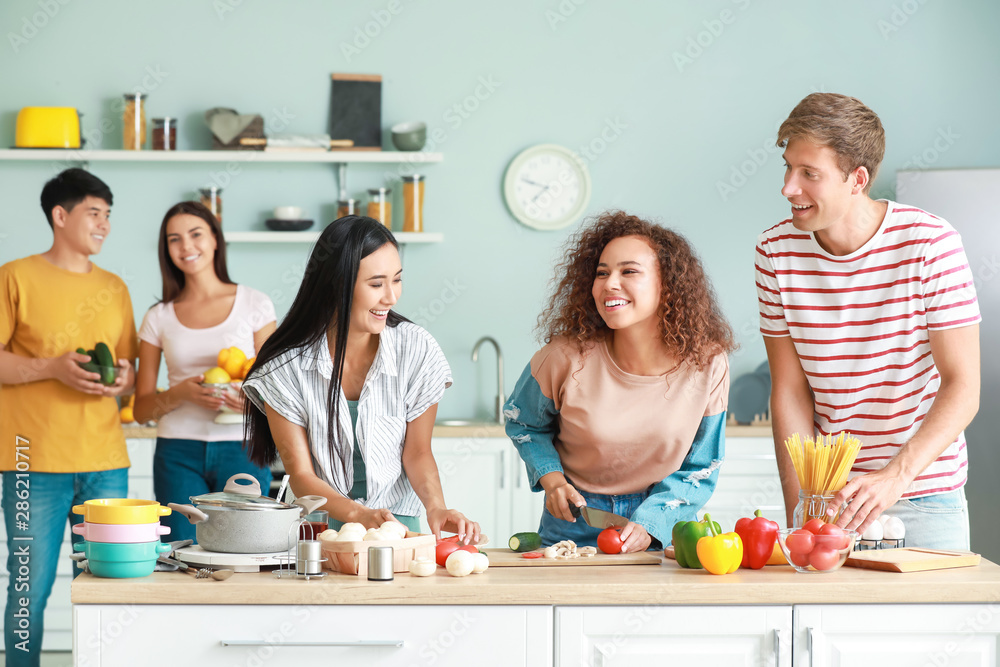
pixel 126 415
pixel 231 359
pixel 217 376
pixel 246 367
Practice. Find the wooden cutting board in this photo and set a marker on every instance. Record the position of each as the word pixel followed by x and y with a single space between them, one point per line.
pixel 911 559
pixel 508 558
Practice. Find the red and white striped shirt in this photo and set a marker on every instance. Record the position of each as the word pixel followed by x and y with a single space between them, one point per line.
pixel 860 323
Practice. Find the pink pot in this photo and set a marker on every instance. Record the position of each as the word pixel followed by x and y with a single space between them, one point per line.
pixel 121 532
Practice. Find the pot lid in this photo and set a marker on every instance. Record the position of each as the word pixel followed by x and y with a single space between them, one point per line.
pixel 240 496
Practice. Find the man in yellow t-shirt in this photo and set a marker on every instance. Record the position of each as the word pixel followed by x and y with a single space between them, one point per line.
pixel 61 441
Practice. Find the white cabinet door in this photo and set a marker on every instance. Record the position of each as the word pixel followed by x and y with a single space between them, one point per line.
pixel 710 636
pixel 294 636
pixel 476 480
pixel 526 507
pixel 748 481
pixel 912 635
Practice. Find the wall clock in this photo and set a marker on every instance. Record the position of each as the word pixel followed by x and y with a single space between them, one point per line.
pixel 546 186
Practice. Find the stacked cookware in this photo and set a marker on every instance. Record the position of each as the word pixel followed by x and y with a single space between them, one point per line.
pixel 121 536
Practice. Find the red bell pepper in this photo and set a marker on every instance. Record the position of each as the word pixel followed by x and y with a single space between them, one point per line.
pixel 758 535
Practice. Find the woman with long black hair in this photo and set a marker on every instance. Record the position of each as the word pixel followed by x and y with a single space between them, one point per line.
pixel 346 390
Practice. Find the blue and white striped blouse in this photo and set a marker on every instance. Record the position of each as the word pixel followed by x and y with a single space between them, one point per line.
pixel 409 375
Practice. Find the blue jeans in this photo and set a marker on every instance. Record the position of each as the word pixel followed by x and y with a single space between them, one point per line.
pixel 185 468
pixel 36 506
pixel 935 522
pixel 554 530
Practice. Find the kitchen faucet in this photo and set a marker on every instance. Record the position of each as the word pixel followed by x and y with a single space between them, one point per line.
pixel 475 357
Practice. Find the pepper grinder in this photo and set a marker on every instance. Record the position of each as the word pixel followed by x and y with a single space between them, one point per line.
pixel 380 563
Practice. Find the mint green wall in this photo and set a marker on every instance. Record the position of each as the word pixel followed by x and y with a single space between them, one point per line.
pixel 574 73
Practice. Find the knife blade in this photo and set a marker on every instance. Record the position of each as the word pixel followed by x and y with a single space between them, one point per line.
pixel 596 518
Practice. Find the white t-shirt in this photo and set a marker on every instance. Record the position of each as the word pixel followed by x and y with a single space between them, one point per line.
pixel 860 324
pixel 408 376
pixel 190 352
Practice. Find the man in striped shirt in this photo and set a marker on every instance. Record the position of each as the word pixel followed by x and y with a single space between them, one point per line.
pixel 870 322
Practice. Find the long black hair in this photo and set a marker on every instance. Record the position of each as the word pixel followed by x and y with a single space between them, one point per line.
pixel 323 302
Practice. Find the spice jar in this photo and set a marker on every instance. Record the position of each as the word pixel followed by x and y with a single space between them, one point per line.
pixel 379 206
pixel 413 203
pixel 814 506
pixel 165 134
pixel 211 197
pixel 347 207
pixel 134 122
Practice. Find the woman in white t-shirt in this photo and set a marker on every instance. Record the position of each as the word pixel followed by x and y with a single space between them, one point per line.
pixel 201 312
pixel 346 390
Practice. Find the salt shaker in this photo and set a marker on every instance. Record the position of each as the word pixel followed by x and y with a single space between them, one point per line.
pixel 380 563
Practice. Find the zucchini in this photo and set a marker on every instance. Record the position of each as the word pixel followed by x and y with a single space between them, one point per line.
pixel 107 363
pixel 524 542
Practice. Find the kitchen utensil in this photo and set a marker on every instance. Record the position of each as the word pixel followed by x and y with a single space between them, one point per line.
pixel 596 518
pixel 380 563
pixel 351 557
pixel 121 510
pixel 282 488
pixel 199 573
pixel 409 136
pixel 121 532
pixel 288 212
pixel 288 225
pixel 912 559
pixel 239 519
pixel 808 562
pixel 508 558
pixel 47 127
pixel 297 142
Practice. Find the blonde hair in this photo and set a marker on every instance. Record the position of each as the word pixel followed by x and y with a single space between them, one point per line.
pixel 844 124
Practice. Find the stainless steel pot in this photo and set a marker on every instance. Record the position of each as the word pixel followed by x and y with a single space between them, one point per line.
pixel 239 519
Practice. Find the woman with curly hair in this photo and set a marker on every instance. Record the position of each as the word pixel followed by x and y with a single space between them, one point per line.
pixel 624 408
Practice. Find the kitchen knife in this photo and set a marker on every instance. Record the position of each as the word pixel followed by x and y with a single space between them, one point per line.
pixel 596 518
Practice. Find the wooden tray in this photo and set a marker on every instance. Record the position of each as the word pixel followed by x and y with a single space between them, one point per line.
pixel 508 558
pixel 911 559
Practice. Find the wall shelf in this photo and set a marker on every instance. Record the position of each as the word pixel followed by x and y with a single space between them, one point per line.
pixel 333 157
pixel 311 237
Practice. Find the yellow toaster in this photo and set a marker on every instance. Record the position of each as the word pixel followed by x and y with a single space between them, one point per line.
pixel 47 127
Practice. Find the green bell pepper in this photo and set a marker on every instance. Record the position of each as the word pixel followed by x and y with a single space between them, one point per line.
pixel 685 536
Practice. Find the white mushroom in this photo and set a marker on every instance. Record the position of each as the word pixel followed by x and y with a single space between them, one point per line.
pixel 460 563
pixel 481 562
pixel 422 567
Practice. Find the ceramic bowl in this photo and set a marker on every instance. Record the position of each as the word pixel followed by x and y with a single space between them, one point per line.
pixel 288 213
pixel 281 225
pixel 121 569
pixel 815 553
pixel 409 136
pixel 121 510
pixel 112 552
pixel 120 533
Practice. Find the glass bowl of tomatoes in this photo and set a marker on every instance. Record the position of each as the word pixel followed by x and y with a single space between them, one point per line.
pixel 816 546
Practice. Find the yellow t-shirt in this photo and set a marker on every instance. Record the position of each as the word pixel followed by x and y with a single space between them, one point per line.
pixel 46 311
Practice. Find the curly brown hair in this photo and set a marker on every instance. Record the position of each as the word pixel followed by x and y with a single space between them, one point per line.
pixel 691 322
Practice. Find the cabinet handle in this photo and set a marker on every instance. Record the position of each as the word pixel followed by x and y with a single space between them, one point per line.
pixel 777 648
pixel 503 469
pixel 810 645
pixel 376 643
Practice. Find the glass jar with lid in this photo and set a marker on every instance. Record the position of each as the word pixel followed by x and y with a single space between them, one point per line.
pixel 380 206
pixel 413 203
pixel 347 207
pixel 814 506
pixel 165 134
pixel 211 197
pixel 134 122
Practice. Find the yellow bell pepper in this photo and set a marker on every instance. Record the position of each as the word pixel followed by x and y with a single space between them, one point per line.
pixel 720 553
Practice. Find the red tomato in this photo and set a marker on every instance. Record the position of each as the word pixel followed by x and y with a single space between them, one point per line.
pixel 800 542
pixel 444 550
pixel 532 554
pixel 802 560
pixel 832 537
pixel 824 559
pixel 610 541
pixel 814 526
pixel 468 547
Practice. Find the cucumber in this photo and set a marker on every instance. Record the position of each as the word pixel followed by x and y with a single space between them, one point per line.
pixel 107 363
pixel 89 366
pixel 524 542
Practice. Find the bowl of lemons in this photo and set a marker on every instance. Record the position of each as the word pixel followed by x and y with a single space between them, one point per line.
pixel 232 368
